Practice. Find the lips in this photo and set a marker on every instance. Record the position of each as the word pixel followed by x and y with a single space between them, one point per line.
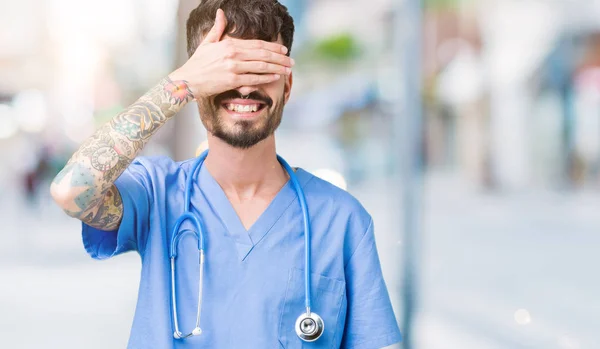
pixel 243 108
pixel 236 98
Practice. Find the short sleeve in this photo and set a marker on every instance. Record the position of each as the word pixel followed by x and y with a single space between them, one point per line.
pixel 133 185
pixel 370 319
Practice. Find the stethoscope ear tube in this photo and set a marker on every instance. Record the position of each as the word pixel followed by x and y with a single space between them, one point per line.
pixel 197 330
pixel 176 236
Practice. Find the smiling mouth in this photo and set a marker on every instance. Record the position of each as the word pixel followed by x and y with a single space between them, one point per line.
pixel 244 108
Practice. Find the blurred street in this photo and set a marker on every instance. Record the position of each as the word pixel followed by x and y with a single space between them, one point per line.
pixel 493 277
pixel 51 292
pixel 494 105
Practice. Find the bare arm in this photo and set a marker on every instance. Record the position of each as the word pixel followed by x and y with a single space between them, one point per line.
pixel 84 189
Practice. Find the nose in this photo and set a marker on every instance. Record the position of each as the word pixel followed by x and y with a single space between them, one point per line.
pixel 246 90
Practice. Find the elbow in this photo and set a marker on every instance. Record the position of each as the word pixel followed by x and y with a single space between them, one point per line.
pixel 65 199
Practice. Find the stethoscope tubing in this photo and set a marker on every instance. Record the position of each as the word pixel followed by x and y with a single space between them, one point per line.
pixel 307 232
pixel 199 234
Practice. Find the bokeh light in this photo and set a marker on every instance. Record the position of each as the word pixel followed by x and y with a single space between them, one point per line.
pixel 201 148
pixel 332 177
pixel 8 125
pixel 522 317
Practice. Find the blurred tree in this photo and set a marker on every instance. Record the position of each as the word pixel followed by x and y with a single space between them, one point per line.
pixel 439 4
pixel 340 47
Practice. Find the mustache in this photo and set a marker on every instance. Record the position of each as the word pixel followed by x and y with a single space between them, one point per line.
pixel 231 94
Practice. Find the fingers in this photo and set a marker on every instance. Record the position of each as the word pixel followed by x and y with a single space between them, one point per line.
pixel 259 67
pixel 254 79
pixel 264 55
pixel 260 45
pixel 216 32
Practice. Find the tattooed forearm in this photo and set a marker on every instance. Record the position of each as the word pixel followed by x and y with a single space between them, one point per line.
pixel 125 147
pixel 101 151
pixel 91 172
pixel 108 213
pixel 141 120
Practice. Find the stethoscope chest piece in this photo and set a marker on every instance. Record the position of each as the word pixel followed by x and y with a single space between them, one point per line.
pixel 309 326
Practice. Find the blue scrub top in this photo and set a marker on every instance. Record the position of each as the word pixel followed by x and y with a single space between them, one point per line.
pixel 254 279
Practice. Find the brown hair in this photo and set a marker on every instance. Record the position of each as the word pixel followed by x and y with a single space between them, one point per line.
pixel 246 19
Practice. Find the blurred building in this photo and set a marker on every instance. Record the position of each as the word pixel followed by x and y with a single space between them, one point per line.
pixel 488 115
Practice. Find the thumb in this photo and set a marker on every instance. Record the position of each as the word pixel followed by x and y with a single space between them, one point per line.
pixel 215 33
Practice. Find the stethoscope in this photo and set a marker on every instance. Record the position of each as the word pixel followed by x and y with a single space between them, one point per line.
pixel 309 326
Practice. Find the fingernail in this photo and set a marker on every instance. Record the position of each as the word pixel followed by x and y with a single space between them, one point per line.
pixel 292 61
pixel 288 70
pixel 284 50
pixel 276 76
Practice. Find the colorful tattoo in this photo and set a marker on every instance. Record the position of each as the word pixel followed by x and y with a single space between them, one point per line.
pixel 179 92
pixel 103 157
pixel 109 213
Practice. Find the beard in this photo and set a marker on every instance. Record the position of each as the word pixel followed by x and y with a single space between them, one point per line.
pixel 243 134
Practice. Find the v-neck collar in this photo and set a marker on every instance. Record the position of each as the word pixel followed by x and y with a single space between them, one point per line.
pixel 246 240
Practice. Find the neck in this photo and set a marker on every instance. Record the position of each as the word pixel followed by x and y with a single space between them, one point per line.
pixel 245 173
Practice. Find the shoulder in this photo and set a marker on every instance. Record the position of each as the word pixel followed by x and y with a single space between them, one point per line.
pixel 157 171
pixel 345 221
pixel 337 201
pixel 157 174
pixel 160 166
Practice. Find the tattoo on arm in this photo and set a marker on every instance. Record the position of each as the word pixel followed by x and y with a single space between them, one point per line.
pixel 109 213
pixel 141 120
pixel 104 156
pixel 125 147
pixel 80 179
pixel 101 159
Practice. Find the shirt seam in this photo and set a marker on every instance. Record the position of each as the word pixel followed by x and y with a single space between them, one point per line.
pixel 337 318
pixel 282 312
pixel 142 251
pixel 360 242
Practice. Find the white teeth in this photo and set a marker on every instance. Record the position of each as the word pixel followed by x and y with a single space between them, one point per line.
pixel 242 108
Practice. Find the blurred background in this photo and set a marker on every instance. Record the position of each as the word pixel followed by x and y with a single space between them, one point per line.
pixel 468 128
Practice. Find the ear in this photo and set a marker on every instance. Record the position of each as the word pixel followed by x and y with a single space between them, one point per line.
pixel 287 88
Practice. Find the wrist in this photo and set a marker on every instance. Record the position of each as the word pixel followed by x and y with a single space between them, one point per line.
pixel 176 76
pixel 178 90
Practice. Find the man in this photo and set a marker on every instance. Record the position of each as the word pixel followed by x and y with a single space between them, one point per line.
pixel 239 73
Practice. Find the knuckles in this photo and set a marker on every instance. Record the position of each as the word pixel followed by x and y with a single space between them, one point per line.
pixel 258 45
pixel 231 65
pixel 262 66
pixel 231 52
pixel 228 45
pixel 255 80
pixel 265 55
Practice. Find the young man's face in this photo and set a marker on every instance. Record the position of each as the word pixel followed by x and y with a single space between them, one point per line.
pixel 248 114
